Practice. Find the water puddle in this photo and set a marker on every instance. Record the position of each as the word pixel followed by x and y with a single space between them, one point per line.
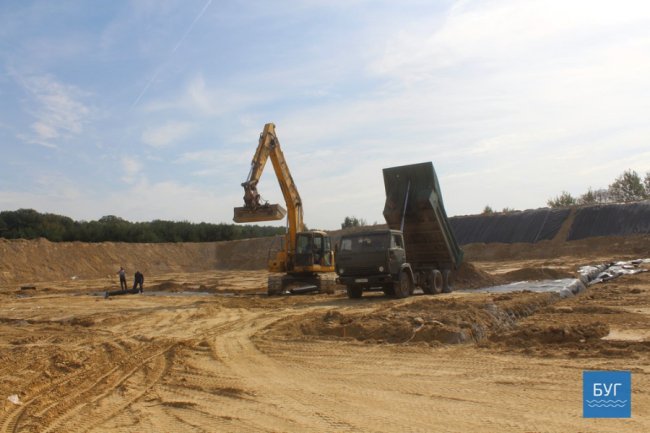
pixel 181 294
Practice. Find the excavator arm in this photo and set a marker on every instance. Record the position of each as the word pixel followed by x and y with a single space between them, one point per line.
pixel 254 210
pixel 306 257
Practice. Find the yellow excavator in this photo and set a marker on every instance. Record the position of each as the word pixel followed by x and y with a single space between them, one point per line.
pixel 305 260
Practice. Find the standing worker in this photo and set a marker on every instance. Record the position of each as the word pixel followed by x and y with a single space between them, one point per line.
pixel 122 273
pixel 138 281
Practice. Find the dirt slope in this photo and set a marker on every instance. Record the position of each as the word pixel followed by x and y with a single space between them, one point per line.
pixel 23 261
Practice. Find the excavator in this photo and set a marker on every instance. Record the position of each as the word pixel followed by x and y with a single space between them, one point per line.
pixel 304 261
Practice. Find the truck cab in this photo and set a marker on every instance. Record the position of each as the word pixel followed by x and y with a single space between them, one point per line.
pixel 417 249
pixel 372 260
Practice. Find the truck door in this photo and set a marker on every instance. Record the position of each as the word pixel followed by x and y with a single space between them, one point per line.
pixel 396 253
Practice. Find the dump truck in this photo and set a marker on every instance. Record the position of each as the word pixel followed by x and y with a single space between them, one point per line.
pixel 304 260
pixel 418 249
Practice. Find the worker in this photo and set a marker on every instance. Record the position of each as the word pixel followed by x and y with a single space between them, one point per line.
pixel 138 280
pixel 122 274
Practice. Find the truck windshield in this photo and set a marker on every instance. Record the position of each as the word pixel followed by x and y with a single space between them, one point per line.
pixel 375 242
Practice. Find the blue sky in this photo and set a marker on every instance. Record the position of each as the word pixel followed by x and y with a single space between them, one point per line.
pixel 152 109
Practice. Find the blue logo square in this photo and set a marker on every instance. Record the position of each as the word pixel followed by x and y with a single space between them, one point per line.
pixel 606 394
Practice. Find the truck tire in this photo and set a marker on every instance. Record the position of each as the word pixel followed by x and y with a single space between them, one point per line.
pixel 403 286
pixel 354 292
pixel 433 282
pixel 446 286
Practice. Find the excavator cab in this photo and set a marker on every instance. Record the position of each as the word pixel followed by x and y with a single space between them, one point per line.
pixel 313 251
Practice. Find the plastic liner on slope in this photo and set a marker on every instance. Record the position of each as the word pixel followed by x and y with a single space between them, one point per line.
pixel 604 272
pixel 527 226
pixel 611 220
pixel 565 287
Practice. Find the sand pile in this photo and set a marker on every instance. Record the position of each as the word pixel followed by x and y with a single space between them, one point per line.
pixel 468 276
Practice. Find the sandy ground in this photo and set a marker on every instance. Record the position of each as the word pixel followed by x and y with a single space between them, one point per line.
pixel 188 356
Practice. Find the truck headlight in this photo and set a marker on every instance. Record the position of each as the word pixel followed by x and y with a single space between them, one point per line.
pixel 381 269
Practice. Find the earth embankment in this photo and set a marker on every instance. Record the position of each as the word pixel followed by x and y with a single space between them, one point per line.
pixel 31 261
pixel 605 232
pixel 25 261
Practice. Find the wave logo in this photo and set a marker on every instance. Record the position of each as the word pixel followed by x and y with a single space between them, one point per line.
pixel 606 394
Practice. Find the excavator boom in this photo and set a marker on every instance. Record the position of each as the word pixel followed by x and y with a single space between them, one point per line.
pixel 254 210
pixel 306 257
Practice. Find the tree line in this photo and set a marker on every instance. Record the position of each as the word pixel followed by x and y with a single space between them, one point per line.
pixel 627 187
pixel 30 224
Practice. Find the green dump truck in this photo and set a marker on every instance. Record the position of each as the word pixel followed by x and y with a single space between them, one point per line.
pixel 418 249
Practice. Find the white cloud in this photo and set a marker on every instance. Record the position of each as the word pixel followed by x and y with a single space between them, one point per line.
pixel 494 31
pixel 57 108
pixel 167 134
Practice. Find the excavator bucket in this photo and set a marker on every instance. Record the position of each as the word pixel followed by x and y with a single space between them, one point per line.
pixel 269 212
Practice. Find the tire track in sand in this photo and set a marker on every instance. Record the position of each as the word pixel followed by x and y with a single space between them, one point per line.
pixel 88 397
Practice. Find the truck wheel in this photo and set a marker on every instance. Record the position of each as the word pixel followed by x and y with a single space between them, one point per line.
pixel 403 286
pixel 446 287
pixel 432 282
pixel 354 292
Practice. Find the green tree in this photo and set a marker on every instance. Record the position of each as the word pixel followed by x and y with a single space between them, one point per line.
pixel 487 210
pixel 30 224
pixel 602 195
pixel 588 198
pixel 563 200
pixel 628 187
pixel 646 183
pixel 353 222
